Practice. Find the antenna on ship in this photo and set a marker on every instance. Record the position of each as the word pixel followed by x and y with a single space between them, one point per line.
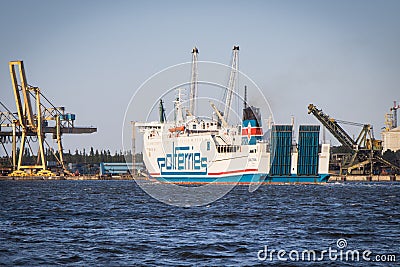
pixel 193 82
pixel 232 81
pixel 245 97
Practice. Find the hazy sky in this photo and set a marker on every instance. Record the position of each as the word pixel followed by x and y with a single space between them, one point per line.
pixel 91 56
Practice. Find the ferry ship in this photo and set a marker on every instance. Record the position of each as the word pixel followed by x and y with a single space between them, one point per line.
pixel 195 150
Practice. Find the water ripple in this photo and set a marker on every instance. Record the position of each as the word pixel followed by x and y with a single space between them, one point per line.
pixel 114 223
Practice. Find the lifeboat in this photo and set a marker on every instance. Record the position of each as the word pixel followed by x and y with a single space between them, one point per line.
pixel 177 129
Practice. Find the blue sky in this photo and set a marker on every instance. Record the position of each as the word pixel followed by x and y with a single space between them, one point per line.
pixel 91 56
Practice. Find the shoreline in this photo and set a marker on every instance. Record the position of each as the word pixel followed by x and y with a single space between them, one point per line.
pixel 333 178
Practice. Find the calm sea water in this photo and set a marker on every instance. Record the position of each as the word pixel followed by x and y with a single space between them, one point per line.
pixel 114 223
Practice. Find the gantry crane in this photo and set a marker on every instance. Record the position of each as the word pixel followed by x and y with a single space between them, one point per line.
pixel 33 120
pixel 7 121
pixel 366 150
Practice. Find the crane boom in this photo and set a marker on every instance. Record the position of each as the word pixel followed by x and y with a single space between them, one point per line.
pixel 331 124
pixel 232 81
pixel 193 82
pixel 223 121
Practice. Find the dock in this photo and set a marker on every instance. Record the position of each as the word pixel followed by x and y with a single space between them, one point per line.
pixel 333 178
pixel 365 178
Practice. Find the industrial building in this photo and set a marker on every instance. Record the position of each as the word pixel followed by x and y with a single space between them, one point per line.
pixel 391 134
pixel 391 139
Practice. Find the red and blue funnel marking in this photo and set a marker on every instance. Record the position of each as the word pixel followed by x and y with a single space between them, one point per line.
pixel 251 132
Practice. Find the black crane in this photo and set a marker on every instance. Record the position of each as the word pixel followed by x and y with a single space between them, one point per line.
pixel 365 149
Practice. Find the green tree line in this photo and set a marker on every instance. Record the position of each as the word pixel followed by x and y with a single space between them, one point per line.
pixel 92 156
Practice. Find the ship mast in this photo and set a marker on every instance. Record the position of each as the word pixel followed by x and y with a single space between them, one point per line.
pixel 232 81
pixel 193 82
pixel 178 107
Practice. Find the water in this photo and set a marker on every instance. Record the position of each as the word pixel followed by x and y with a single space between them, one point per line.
pixel 114 223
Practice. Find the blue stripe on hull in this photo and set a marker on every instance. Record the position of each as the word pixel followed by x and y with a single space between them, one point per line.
pixel 246 178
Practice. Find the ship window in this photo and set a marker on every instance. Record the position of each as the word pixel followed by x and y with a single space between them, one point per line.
pixel 228 149
pixel 194 126
pixel 208 145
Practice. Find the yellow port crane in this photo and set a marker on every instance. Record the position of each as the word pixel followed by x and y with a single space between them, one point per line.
pixel 366 150
pixel 32 121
